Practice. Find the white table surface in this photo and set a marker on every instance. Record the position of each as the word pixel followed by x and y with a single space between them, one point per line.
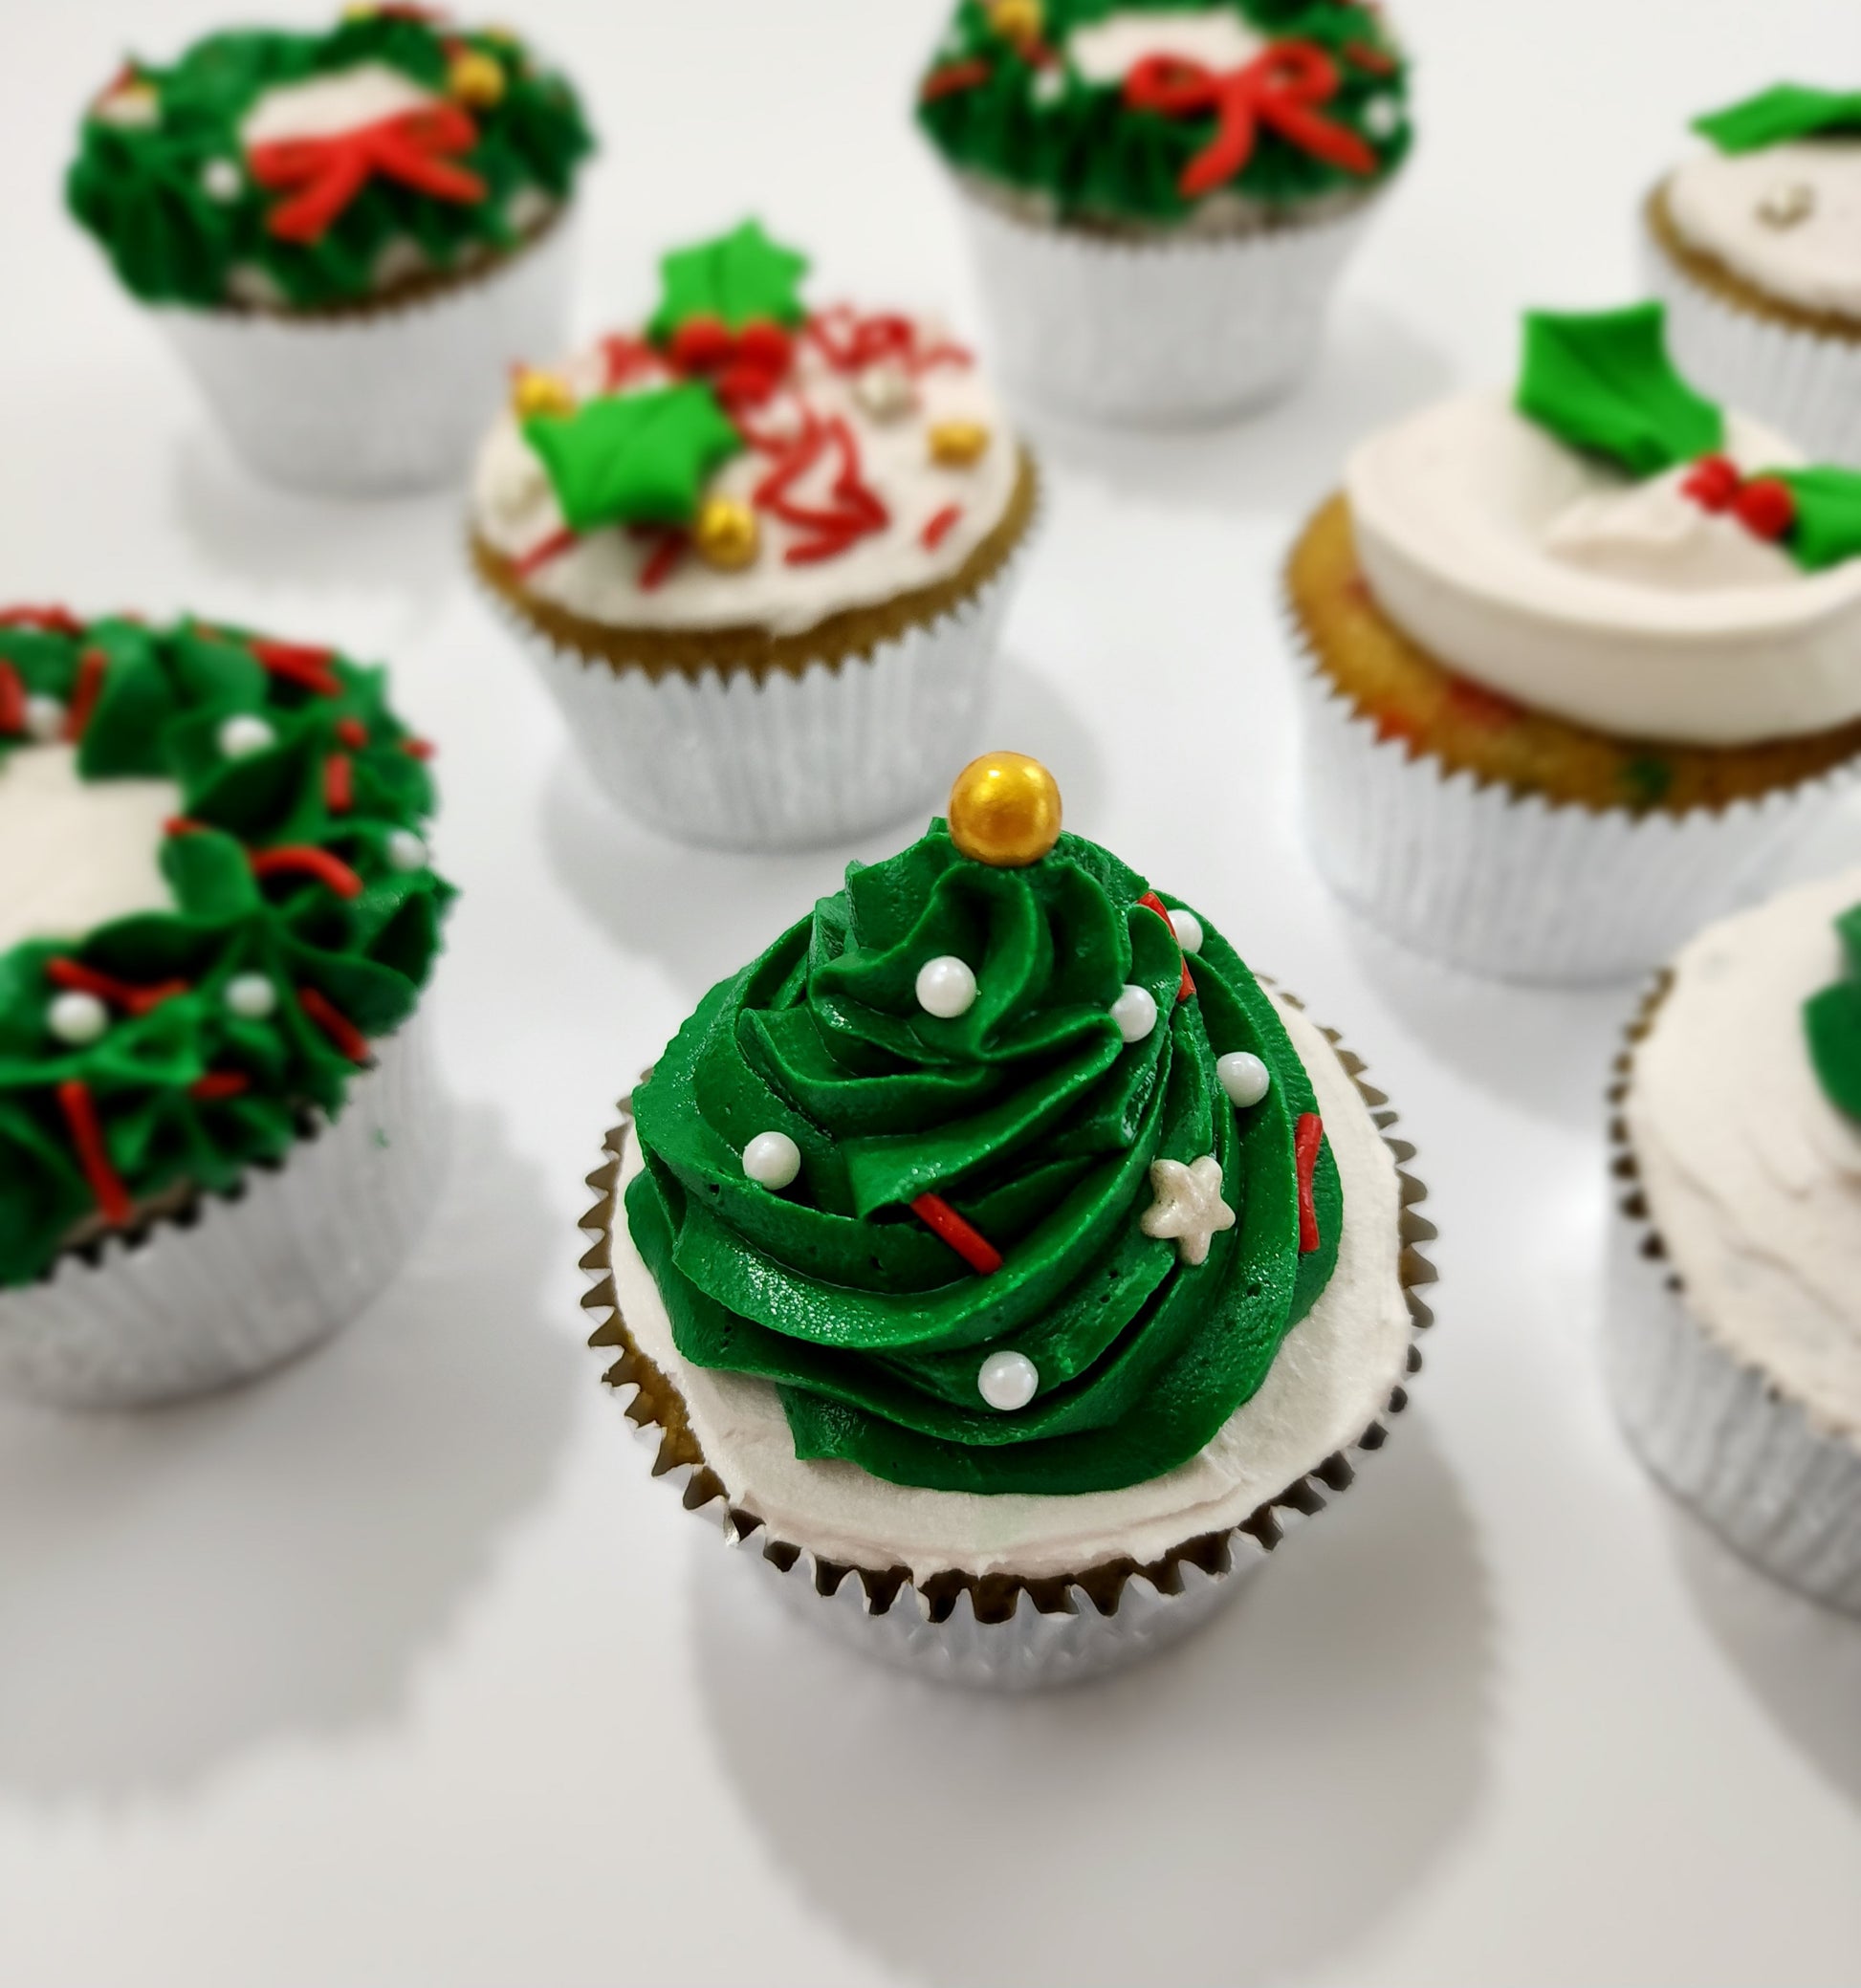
pixel 398 1669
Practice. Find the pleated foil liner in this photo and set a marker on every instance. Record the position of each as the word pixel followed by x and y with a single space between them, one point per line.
pixel 238 1283
pixel 1513 886
pixel 1804 384
pixel 1166 333
pixel 382 400
pixel 732 760
pixel 997 1631
pixel 1716 1431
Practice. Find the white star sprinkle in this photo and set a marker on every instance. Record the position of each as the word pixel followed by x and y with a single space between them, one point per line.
pixel 1188 1206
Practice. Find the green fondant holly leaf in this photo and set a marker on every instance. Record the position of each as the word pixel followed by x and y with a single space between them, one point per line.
pixel 1775 116
pixel 640 458
pixel 1831 1021
pixel 736 277
pixel 1827 527
pixel 1601 381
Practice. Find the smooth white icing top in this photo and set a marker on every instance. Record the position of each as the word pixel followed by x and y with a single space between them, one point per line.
pixel 323 105
pixel 1718 203
pixel 1107 50
pixel 1546 573
pixel 1753 1177
pixel 77 852
pixel 514 510
pixel 1331 1379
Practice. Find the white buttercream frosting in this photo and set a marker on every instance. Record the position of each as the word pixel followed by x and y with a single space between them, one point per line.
pixel 1753 1177
pixel 79 853
pixel 322 106
pixel 514 510
pixel 1108 51
pixel 1331 1379
pixel 1788 219
pixel 1550 576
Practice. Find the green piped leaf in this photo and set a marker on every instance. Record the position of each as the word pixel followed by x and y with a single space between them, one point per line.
pixel 1827 527
pixel 1601 381
pixel 737 277
pixel 640 458
pixel 1775 116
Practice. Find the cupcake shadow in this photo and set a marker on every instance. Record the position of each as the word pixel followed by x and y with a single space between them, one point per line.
pixel 1236 1810
pixel 187 1585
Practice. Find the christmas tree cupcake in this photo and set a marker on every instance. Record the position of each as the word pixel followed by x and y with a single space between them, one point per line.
pixel 1582 660
pixel 1734 1322
pixel 1755 242
pixel 759 551
pixel 1003 1256
pixel 345 234
pixel 218 1130
pixel 1161 194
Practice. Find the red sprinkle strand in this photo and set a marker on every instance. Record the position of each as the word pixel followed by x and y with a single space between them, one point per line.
pixel 969 1242
pixel 850 342
pixel 1377 61
pixel 74 977
pixel 1306 1136
pixel 353 732
pixel 338 784
pixel 219 1084
pixel 951 78
pixel 543 552
pixel 667 550
pixel 1151 901
pixel 334 1023
pixel 13 701
pixel 91 666
pixel 940 527
pixel 418 747
pixel 48 620
pixel 302 860
pixel 624 358
pixel 180 824
pixel 113 1202
pixel 293 663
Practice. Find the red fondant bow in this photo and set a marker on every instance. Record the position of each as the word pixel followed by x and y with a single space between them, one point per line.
pixel 1281 88
pixel 325 174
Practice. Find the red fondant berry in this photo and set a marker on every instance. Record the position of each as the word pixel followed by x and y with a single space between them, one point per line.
pixel 1766 507
pixel 701 346
pixel 741 384
pixel 764 344
pixel 1713 482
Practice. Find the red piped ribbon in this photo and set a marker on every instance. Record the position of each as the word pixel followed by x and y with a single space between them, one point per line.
pixel 1281 88
pixel 48 620
pixel 293 663
pixel 323 175
pixel 338 784
pixel 89 686
pixel 951 78
pixel 851 341
pixel 1151 901
pixel 1307 1137
pixel 300 859
pixel 13 701
pixel 73 977
pixel 334 1023
pixel 857 509
pixel 964 1237
pixel 113 1202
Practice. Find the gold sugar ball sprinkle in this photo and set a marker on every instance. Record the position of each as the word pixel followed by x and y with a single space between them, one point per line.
pixel 1005 810
pixel 1017 20
pixel 957 444
pixel 476 80
pixel 726 534
pixel 537 392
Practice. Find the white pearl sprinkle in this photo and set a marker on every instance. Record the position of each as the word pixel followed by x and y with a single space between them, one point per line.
pixel 1049 84
pixel 946 987
pixel 221 180
pixel 405 851
pixel 1188 930
pixel 243 734
pixel 1383 117
pixel 1134 1010
pixel 885 392
pixel 45 719
pixel 1787 204
pixel 250 996
pixel 76 1018
pixel 1244 1078
pixel 1007 1381
pixel 771 1160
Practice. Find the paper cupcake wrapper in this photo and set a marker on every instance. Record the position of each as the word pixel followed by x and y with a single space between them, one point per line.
pixel 1164 333
pixel 731 760
pixel 381 400
pixel 237 1283
pixel 1715 1430
pixel 998 1631
pixel 1804 384
pixel 1513 886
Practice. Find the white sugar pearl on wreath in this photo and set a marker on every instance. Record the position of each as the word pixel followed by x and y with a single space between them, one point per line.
pixel 1049 84
pixel 1007 1381
pixel 1134 1010
pixel 1244 1078
pixel 1188 929
pixel 250 996
pixel 405 850
pixel 946 987
pixel 1383 117
pixel 45 718
pixel 243 734
pixel 76 1018
pixel 771 1160
pixel 221 179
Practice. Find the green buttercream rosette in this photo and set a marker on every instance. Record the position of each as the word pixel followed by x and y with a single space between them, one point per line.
pixel 1034 1120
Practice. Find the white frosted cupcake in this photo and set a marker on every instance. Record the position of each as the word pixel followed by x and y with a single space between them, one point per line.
pixel 1735 1322
pixel 1755 242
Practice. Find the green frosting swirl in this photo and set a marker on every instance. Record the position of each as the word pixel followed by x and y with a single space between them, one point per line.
pixel 1095 157
pixel 161 699
pixel 143 190
pixel 1035 1120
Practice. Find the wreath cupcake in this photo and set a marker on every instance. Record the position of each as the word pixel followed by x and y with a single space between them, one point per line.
pixel 759 549
pixel 1161 195
pixel 1004 1256
pixel 1755 242
pixel 1733 1328
pixel 1582 660
pixel 346 235
pixel 217 1127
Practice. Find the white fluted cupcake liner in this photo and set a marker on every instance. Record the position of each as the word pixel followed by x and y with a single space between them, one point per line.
pixel 1804 383
pixel 240 1283
pixel 1167 333
pixel 732 760
pixel 382 400
pixel 997 1632
pixel 1516 887
pixel 1717 1432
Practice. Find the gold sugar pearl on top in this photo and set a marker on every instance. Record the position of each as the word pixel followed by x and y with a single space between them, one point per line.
pixel 534 391
pixel 956 444
pixel 1005 810
pixel 726 534
pixel 476 80
pixel 1017 20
